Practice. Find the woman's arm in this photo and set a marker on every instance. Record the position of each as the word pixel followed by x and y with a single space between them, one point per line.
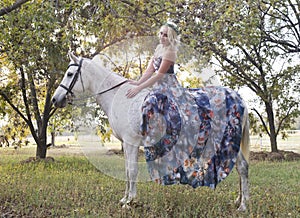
pixel 164 67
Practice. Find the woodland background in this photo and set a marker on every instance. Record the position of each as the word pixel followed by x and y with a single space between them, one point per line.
pixel 253 44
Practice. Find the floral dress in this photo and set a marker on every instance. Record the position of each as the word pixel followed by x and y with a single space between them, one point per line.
pixel 183 141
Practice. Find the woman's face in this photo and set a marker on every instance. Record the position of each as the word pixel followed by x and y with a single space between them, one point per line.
pixel 163 36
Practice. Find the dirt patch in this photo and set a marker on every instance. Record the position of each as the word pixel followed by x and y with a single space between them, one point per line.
pixel 36 159
pixel 67 150
pixel 274 156
pixel 64 150
pixel 121 152
pixel 59 146
pixel 254 156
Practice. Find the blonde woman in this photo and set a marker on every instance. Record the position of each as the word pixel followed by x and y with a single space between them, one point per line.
pixel 163 60
pixel 170 120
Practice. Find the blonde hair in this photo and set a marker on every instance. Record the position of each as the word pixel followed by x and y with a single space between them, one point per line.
pixel 173 34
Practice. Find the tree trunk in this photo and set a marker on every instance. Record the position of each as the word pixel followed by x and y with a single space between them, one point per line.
pixel 273 135
pixel 41 151
pixel 273 140
pixel 53 138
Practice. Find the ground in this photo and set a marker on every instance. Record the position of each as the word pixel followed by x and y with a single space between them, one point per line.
pixel 281 155
pixel 274 156
pixel 255 155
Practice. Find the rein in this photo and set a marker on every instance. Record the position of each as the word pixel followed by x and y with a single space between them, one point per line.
pixel 100 93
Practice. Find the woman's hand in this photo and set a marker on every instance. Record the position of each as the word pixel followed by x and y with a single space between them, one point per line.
pixel 132 92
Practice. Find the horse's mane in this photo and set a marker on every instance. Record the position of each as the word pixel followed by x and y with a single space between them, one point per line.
pixel 98 62
pixel 105 62
pixel 101 63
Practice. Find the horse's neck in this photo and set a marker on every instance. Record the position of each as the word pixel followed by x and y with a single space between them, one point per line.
pixel 103 81
pixel 106 100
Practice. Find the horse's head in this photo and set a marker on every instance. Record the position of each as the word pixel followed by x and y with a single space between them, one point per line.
pixel 69 85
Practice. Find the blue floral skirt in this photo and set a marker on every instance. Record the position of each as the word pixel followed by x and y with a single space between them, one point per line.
pixel 193 142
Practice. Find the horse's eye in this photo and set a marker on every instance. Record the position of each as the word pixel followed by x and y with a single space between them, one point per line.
pixel 70 74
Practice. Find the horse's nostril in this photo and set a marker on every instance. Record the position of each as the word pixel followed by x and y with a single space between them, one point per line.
pixel 53 100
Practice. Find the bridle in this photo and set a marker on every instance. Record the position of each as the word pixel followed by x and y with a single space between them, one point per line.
pixel 75 78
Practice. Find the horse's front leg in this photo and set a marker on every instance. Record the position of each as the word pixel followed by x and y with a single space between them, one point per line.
pixel 242 168
pixel 131 167
pixel 124 199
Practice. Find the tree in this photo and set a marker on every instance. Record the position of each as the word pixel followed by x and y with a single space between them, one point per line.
pixel 32 46
pixel 242 39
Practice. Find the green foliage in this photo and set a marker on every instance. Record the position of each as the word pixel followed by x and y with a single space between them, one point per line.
pixel 256 127
pixel 252 44
pixel 15 131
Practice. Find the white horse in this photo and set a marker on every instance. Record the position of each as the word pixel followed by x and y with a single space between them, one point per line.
pixel 124 114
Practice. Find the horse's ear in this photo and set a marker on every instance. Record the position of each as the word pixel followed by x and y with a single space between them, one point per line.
pixel 73 57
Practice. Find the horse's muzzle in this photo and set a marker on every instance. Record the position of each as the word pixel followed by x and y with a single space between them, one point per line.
pixel 59 103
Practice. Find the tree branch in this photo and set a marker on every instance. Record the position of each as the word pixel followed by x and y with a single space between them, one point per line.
pixel 6 98
pixel 52 111
pixel 27 109
pixel 262 120
pixel 9 9
pixel 284 118
pixel 236 66
pixel 288 46
pixel 34 100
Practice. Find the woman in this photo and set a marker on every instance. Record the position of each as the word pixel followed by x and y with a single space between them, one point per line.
pixel 163 60
pixel 170 113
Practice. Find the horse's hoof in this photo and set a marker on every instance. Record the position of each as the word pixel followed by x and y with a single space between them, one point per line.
pixel 123 201
pixel 237 201
pixel 242 208
pixel 126 207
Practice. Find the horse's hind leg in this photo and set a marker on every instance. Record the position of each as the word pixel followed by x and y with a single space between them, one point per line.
pixel 131 166
pixel 242 169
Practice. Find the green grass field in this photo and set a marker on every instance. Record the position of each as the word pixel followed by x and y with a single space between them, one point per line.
pixel 72 187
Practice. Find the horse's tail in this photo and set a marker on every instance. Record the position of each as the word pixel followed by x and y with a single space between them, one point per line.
pixel 245 142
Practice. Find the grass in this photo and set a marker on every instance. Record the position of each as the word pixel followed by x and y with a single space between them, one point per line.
pixel 72 187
